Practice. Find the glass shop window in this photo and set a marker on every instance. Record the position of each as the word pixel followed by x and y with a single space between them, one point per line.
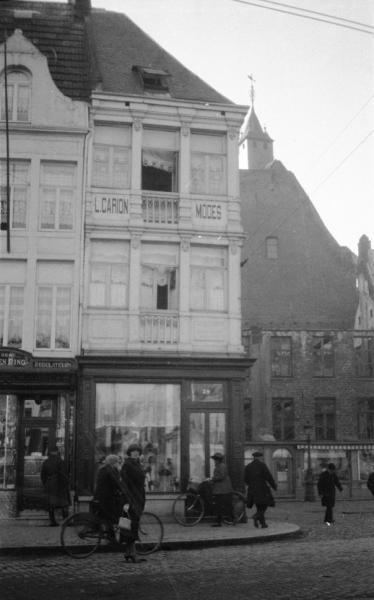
pixel 160 160
pixel 146 414
pixel 8 438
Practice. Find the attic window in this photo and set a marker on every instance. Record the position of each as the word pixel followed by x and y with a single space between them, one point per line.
pixel 153 79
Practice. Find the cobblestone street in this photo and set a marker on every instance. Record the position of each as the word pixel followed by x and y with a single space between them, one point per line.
pixel 326 563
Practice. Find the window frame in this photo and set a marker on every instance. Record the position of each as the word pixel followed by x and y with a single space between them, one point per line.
pixel 53 316
pixel 206 272
pixel 14 108
pixel 322 356
pixel 282 353
pixel 206 187
pixel 272 247
pixel 6 315
pixel 322 414
pixel 15 187
pixel 58 190
pixel 287 430
pixel 365 418
pixel 364 359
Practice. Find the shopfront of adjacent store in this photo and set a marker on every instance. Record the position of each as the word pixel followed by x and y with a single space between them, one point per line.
pixel 37 408
pixel 179 410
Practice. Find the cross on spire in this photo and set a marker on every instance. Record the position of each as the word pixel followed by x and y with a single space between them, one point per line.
pixel 252 88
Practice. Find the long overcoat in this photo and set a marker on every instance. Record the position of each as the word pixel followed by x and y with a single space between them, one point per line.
pixel 133 481
pixel 259 480
pixel 55 479
pixel 108 492
pixel 221 480
pixel 327 482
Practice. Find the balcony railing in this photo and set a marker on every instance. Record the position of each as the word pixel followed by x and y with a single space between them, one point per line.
pixel 159 329
pixel 160 209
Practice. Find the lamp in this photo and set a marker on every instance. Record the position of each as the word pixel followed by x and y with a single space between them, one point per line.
pixel 309 485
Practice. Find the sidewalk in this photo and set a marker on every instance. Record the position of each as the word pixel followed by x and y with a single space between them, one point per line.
pixel 286 519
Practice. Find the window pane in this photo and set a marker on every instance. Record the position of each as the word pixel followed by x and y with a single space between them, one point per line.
pixel 48 210
pixel 121 167
pixel 148 414
pixel 100 176
pixel 15 317
pixel 8 440
pixel 217 435
pixel 19 207
pixel 2 314
pixel 44 318
pixel 197 447
pixel 63 311
pixel 23 102
pixel 66 209
pixel 206 392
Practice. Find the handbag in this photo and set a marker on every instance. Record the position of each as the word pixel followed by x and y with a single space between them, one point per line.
pixel 124 523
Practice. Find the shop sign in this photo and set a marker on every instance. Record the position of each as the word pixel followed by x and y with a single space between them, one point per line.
pixel 209 213
pixel 20 359
pixel 111 205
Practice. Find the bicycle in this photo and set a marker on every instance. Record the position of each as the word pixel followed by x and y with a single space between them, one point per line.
pixel 190 507
pixel 82 533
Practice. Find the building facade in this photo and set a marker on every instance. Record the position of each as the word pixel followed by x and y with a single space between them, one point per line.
pixel 310 396
pixel 120 256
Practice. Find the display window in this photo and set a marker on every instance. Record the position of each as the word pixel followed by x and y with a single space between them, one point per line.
pixel 149 415
pixel 8 423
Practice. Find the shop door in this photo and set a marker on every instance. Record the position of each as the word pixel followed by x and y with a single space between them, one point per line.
pixel 207 434
pixel 37 435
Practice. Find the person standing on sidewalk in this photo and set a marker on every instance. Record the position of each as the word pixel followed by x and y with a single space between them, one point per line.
pixel 370 482
pixel 55 479
pixel 327 482
pixel 259 480
pixel 221 489
pixel 133 483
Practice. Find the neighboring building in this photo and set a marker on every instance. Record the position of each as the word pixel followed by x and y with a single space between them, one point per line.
pixel 365 285
pixel 313 374
pixel 120 270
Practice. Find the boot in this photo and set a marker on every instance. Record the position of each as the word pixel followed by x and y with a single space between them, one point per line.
pixel 130 554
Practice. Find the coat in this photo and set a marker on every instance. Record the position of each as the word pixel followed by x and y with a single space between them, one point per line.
pixel 259 480
pixel 327 482
pixel 133 481
pixel 55 479
pixel 109 493
pixel 221 480
pixel 370 483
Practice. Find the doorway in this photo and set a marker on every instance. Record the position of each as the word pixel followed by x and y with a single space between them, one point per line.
pixel 207 434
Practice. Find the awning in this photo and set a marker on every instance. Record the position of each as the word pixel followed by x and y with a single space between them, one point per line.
pixel 336 446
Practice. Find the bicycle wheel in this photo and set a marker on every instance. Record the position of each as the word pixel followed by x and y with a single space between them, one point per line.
pixel 151 533
pixel 238 504
pixel 81 535
pixel 188 509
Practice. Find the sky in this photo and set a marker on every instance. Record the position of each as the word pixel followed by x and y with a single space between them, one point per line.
pixel 314 86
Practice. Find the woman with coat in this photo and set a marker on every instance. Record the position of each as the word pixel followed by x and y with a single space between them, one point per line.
pixel 327 482
pixel 259 481
pixel 55 479
pixel 221 489
pixel 133 482
pixel 108 494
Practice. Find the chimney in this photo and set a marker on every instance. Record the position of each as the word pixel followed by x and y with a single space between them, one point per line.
pixel 82 8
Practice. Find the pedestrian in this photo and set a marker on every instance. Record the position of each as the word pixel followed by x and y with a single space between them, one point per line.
pixel 221 489
pixel 55 480
pixel 259 480
pixel 108 495
pixel 133 482
pixel 370 482
pixel 327 482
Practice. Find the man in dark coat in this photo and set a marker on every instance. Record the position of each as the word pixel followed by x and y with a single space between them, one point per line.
pixel 55 479
pixel 221 489
pixel 133 482
pixel 108 491
pixel 370 483
pixel 258 479
pixel 327 482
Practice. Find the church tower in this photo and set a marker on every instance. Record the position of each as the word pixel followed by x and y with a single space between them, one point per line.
pixel 256 142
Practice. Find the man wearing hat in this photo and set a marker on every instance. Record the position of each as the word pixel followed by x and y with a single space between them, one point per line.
pixel 221 489
pixel 259 480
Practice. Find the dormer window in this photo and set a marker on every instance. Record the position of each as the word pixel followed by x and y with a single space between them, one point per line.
pixel 153 80
pixel 19 93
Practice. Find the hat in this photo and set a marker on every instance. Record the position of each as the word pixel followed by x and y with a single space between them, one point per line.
pixel 217 455
pixel 257 454
pixel 133 447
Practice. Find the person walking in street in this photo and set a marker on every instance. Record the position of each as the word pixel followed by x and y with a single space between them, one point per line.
pixel 221 489
pixel 55 480
pixel 370 482
pixel 327 482
pixel 133 482
pixel 108 495
pixel 259 480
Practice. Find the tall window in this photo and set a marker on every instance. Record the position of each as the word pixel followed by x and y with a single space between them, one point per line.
pixel 208 164
pixel 325 418
pixel 364 356
pixel 272 247
pixel 208 284
pixel 54 299
pixel 159 289
pixel 323 356
pixel 160 160
pixel 109 274
pixel 19 183
pixel 11 315
pixel 57 193
pixel 147 414
pixel 366 418
pixel 281 356
pixel 111 157
pixel 248 419
pixel 19 93
pixel 283 419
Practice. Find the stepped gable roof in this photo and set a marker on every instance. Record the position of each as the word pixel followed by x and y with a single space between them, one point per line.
pixel 58 33
pixel 252 129
pixel 120 45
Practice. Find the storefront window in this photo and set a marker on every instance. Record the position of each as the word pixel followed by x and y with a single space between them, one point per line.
pixel 147 414
pixel 207 392
pixel 321 458
pixel 365 464
pixel 8 420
